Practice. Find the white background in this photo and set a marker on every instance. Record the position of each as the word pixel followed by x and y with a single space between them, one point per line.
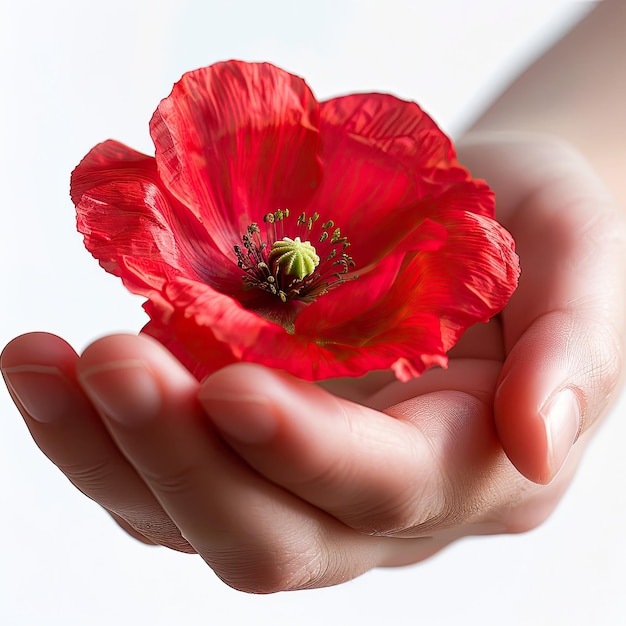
pixel 74 73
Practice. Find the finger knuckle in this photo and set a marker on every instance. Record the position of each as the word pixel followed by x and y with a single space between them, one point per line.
pixel 272 570
pixel 173 479
pixel 528 515
pixel 151 522
pixel 597 358
pixel 91 478
pixel 423 502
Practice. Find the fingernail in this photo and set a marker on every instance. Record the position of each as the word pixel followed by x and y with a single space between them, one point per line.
pixel 248 419
pixel 562 418
pixel 43 391
pixel 124 391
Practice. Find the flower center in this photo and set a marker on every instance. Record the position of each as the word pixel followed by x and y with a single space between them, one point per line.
pixel 294 257
pixel 283 262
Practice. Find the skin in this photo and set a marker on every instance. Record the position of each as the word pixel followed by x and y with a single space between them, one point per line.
pixel 576 92
pixel 280 484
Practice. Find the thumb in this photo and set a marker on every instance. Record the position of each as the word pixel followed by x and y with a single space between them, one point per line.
pixel 564 328
pixel 556 383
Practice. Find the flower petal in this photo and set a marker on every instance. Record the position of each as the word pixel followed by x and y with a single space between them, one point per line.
pixel 385 163
pixel 345 304
pixel 307 359
pixel 214 354
pixel 472 195
pixel 468 280
pixel 397 128
pixel 136 229
pixel 204 328
pixel 235 141
pixel 206 331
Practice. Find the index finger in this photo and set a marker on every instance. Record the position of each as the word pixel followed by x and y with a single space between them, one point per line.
pixel 426 468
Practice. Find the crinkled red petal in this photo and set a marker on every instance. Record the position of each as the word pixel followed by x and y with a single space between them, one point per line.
pixel 207 330
pixel 467 280
pixel 399 129
pixel 235 141
pixel 472 195
pixel 385 166
pixel 136 229
pixel 345 304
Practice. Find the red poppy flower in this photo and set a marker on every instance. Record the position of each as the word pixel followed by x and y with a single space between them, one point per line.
pixel 322 238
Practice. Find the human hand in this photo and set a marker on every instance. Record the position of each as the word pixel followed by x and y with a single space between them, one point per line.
pixel 280 485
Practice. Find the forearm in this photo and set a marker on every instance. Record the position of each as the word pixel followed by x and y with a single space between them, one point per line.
pixel 576 91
